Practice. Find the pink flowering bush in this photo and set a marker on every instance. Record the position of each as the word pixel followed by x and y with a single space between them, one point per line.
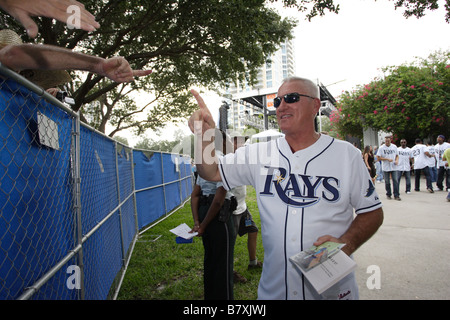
pixel 409 100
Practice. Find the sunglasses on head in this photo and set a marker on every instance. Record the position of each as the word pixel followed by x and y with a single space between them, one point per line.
pixel 289 98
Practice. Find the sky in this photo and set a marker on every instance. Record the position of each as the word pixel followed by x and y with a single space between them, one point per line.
pixel 348 49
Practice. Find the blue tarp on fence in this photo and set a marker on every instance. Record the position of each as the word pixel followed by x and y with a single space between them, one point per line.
pixel 121 191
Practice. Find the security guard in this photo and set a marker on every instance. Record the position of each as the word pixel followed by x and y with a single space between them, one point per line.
pixel 212 207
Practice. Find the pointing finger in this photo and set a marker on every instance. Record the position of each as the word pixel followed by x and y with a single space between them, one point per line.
pixel 199 99
pixel 205 114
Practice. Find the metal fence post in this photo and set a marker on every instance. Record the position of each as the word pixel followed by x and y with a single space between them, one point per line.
pixel 76 161
pixel 163 183
pixel 133 181
pixel 120 206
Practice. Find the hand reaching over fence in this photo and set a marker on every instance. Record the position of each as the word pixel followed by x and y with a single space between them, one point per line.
pixel 20 57
pixel 118 69
pixel 23 10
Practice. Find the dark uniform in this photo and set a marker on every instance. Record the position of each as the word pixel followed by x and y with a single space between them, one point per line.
pixel 218 237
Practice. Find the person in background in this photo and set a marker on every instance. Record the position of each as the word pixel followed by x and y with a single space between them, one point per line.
pixel 388 154
pixel 442 171
pixel 212 208
pixel 377 165
pixel 404 165
pixel 432 161
pixel 243 220
pixel 446 157
pixel 420 160
pixel 369 162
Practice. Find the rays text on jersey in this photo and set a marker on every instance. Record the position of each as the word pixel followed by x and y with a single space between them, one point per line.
pixel 300 190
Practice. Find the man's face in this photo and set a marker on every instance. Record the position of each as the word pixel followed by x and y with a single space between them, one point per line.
pixel 403 143
pixel 387 141
pixel 440 140
pixel 292 117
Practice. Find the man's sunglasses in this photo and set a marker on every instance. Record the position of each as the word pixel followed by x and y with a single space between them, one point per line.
pixel 289 98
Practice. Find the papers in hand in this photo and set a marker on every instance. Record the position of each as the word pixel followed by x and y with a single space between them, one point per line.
pixel 183 231
pixel 326 272
pixel 315 255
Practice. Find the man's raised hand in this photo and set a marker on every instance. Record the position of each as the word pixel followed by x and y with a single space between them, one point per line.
pixel 201 120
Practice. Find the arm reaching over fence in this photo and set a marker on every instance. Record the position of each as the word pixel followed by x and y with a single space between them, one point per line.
pixel 118 69
pixel 47 57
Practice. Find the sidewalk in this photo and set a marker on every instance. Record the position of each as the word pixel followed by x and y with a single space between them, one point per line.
pixel 411 248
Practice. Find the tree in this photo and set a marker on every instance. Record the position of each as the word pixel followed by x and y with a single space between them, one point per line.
pixel 181 143
pixel 411 101
pixel 187 43
pixel 418 8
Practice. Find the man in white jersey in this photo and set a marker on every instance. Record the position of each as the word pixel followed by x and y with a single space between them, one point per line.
pixel 420 159
pixel 440 148
pixel 404 165
pixel 388 154
pixel 431 161
pixel 308 188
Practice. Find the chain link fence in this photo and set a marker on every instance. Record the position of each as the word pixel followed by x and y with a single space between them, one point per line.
pixel 72 200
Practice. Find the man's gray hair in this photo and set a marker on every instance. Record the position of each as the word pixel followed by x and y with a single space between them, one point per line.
pixel 313 89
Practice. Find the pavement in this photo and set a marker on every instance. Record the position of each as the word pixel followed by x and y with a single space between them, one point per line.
pixel 408 257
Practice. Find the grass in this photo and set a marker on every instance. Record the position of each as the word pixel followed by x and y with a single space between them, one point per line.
pixel 164 270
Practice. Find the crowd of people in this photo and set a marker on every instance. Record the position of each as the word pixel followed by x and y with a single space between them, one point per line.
pixel 390 163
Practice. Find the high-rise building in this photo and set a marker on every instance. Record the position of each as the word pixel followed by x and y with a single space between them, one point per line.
pixel 244 109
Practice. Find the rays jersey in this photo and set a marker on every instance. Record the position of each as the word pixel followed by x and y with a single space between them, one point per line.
pixel 301 196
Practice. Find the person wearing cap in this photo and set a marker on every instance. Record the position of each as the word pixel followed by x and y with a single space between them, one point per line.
pixel 442 170
pixel 19 56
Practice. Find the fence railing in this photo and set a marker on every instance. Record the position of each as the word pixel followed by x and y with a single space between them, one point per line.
pixel 72 200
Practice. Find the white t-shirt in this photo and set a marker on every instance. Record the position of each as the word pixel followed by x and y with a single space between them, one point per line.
pixel 431 161
pixel 420 159
pixel 301 196
pixel 439 149
pixel 390 153
pixel 404 155
pixel 240 193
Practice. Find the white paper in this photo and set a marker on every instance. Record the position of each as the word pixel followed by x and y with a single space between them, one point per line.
pixel 329 272
pixel 183 231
